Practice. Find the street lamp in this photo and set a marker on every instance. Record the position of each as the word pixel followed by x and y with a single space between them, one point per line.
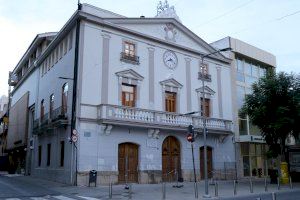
pixel 206 195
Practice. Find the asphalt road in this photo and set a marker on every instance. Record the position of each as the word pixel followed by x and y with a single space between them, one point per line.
pixel 21 188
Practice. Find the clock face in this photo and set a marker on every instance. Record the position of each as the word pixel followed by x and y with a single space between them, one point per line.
pixel 170 59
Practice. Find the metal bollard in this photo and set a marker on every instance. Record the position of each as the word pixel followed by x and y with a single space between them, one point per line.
pixel 130 191
pixel 251 186
pixel 234 187
pixel 196 190
pixel 266 184
pixel 278 183
pixel 291 183
pixel 273 196
pixel 110 190
pixel 216 189
pixel 163 190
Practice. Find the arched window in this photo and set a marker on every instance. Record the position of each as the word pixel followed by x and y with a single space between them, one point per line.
pixel 64 98
pixel 51 108
pixel 42 109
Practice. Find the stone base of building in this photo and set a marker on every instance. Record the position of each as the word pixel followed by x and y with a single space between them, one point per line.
pixel 144 177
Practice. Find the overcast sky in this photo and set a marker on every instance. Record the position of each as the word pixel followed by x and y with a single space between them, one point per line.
pixel 272 25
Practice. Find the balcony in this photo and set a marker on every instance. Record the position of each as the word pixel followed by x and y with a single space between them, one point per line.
pixel 128 116
pixel 204 76
pixel 56 118
pixel 130 58
pixel 59 116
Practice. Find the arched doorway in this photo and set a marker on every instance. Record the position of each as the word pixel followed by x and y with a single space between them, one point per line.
pixel 128 162
pixel 171 159
pixel 209 162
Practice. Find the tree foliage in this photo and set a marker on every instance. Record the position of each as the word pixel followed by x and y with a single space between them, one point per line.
pixel 274 107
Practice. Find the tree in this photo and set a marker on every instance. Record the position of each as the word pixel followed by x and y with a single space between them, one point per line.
pixel 274 107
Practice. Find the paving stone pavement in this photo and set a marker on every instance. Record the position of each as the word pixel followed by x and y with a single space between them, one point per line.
pixel 54 190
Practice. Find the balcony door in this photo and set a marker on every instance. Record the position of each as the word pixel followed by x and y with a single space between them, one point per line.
pixel 209 162
pixel 128 95
pixel 171 159
pixel 170 101
pixel 128 163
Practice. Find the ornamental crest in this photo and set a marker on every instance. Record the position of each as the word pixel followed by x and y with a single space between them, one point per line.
pixel 170 32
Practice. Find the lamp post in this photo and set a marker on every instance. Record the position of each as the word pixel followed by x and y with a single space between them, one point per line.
pixel 206 195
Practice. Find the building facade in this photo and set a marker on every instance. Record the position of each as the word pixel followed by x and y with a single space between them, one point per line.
pixel 249 64
pixel 134 79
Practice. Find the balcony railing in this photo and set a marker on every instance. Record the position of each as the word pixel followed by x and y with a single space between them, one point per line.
pixel 128 115
pixel 59 113
pixel 204 76
pixel 125 57
pixel 45 120
pixel 36 124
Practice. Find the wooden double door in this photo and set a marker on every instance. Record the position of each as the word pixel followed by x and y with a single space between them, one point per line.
pixel 128 162
pixel 171 159
pixel 209 162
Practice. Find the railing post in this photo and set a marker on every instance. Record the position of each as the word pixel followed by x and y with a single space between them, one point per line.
pixel 273 196
pixel 163 190
pixel 216 189
pixel 291 183
pixel 234 187
pixel 266 185
pixel 251 186
pixel 110 189
pixel 130 191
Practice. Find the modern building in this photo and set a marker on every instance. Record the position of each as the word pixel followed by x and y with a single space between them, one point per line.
pixel 249 64
pixel 120 88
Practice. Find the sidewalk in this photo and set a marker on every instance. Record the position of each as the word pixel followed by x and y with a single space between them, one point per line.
pixel 154 191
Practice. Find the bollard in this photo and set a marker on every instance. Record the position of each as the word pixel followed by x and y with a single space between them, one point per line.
pixel 234 187
pixel 251 186
pixel 291 183
pixel 273 196
pixel 266 184
pixel 163 190
pixel 130 191
pixel 278 183
pixel 196 190
pixel 216 189
pixel 110 190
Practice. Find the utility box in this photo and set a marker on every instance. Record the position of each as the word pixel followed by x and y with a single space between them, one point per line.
pixel 93 177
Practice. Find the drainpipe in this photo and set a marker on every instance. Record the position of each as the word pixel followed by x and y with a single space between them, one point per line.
pixel 74 96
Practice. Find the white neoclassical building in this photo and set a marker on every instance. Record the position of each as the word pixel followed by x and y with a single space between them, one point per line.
pixel 134 79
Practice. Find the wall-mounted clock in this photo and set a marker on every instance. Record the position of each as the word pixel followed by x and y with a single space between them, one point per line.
pixel 170 59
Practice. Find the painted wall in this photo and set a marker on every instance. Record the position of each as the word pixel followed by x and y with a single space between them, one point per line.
pixel 92 73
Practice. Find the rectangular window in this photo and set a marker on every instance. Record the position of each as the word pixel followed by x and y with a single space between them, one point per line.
pixel 240 77
pixel 240 96
pixel 248 69
pixel 129 49
pixel 70 40
pixel 48 154
pixel 61 49
pixel 206 106
pixel 240 66
pixel 40 156
pixel 243 127
pixel 62 153
pixel 170 101
pixel 128 95
pixel 65 41
pixel 57 54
